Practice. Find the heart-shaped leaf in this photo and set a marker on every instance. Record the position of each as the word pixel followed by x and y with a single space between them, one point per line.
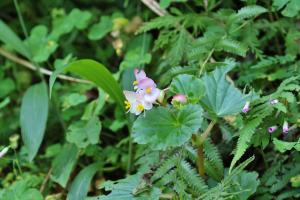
pixel 33 117
pixel 222 98
pixel 162 128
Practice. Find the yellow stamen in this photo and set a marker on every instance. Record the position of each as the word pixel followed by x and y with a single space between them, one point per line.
pixel 134 83
pixel 140 107
pixel 148 90
pixel 127 105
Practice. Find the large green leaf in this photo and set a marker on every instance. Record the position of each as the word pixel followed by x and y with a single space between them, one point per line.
pixel 162 128
pixel 95 72
pixel 64 163
pixel 221 98
pixel 188 85
pixel 245 185
pixel 80 185
pixel 33 117
pixel 10 38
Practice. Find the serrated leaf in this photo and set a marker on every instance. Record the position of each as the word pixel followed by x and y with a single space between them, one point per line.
pixel 33 117
pixel 8 36
pixel 222 98
pixel 232 46
pixel 188 85
pixel 162 128
pixel 80 185
pixel 284 146
pixel 64 163
pixel 96 73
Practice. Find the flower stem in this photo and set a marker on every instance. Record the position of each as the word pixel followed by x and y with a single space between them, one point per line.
pixel 205 61
pixel 198 140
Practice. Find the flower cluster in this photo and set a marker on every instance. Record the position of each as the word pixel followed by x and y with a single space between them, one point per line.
pixel 145 94
pixel 271 129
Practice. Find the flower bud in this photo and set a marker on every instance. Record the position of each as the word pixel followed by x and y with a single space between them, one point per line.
pixel 271 129
pixel 181 98
pixel 285 127
pixel 246 107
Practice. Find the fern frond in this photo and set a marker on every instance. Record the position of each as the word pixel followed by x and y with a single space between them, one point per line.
pixel 166 166
pixel 213 162
pixel 248 131
pixel 231 46
pixel 269 61
pixel 166 21
pixel 247 12
pixel 191 177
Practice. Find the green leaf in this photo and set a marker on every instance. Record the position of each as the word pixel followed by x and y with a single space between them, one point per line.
pixel 283 146
pixel 222 98
pixel 64 163
pixel 41 47
pixel 188 85
pixel 248 12
pixel 290 7
pixel 99 30
pixel 10 38
pixel 80 185
pixel 33 117
pixel 96 73
pixel 245 185
pixel 6 87
pixel 231 46
pixel 162 128
pixel 65 24
pixel 84 133
pixel 133 187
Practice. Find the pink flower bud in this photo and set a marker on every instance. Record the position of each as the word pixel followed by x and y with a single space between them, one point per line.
pixel 272 129
pixel 285 127
pixel 179 98
pixel 246 107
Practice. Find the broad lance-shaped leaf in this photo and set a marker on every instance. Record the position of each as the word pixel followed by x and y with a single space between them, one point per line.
pixel 10 38
pixel 221 98
pixel 188 85
pixel 34 112
pixel 80 185
pixel 64 163
pixel 162 128
pixel 96 73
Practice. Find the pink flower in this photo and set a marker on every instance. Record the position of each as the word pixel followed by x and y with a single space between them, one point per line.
pixel 3 152
pixel 246 107
pixel 148 88
pixel 272 129
pixel 285 127
pixel 274 101
pixel 179 98
pixel 135 102
pixel 139 75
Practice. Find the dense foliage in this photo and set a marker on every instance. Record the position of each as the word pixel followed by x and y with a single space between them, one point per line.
pixel 211 92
